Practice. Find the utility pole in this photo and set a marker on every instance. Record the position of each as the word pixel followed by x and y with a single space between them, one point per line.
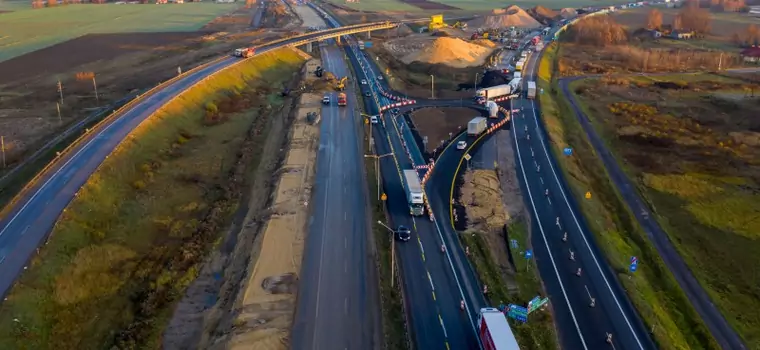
pixel 95 86
pixel 476 81
pixel 58 107
pixel 393 251
pixel 377 168
pixel 60 90
pixel 432 87
pixel 2 146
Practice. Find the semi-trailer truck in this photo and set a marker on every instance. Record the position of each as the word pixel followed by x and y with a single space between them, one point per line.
pixel 494 331
pixel 493 109
pixel 531 89
pixel 244 52
pixel 341 99
pixel 515 84
pixel 414 194
pixel 476 126
pixel 493 91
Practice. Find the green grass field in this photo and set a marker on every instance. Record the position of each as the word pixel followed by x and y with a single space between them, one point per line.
pixel 652 289
pixel 704 191
pixel 27 30
pixel 136 234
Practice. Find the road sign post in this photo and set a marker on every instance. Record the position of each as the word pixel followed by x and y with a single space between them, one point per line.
pixel 634 264
pixel 517 312
pixel 536 303
pixel 528 255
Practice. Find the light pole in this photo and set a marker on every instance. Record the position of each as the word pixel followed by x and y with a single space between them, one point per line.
pixel 393 251
pixel 377 166
pixel 476 81
pixel 432 87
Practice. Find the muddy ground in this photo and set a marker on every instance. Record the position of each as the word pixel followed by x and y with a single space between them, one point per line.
pixel 121 63
pixel 437 123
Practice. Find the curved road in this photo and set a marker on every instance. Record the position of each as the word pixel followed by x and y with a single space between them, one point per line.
pixel 719 327
pixel 27 223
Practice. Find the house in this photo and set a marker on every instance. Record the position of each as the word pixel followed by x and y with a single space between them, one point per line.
pixel 681 34
pixel 751 54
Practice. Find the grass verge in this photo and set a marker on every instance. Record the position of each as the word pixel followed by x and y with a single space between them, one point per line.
pixel 135 236
pixel 652 289
pixel 538 333
pixel 704 199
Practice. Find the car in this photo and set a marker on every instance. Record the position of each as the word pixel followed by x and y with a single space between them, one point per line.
pixel 461 145
pixel 326 100
pixel 403 234
pixel 373 119
pixel 364 81
pixel 368 94
pixel 380 77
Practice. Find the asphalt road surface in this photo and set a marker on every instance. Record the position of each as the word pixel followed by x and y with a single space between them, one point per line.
pixel 338 304
pixel 580 325
pixel 27 224
pixel 719 327
pixel 431 288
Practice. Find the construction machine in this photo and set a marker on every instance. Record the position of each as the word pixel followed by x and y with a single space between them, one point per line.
pixel 341 84
pixel 436 22
pixel 459 25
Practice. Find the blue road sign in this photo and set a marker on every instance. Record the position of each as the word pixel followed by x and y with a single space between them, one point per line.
pixel 528 254
pixel 518 313
pixel 367 44
pixel 514 243
pixel 634 264
pixel 568 151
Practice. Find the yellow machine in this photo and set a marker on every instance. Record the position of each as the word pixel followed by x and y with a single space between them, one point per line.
pixel 459 25
pixel 436 22
pixel 342 83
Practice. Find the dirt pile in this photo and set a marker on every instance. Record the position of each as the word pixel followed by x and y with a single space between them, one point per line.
pixel 512 16
pixel 484 42
pixel 543 14
pixel 481 197
pixel 568 13
pixel 450 51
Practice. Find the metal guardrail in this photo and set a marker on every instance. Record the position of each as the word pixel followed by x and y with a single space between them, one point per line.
pixel 31 183
pixel 329 33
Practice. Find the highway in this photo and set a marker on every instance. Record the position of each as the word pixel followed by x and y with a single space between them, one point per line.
pixel 431 289
pixel 27 222
pixel 580 325
pixel 724 334
pixel 338 303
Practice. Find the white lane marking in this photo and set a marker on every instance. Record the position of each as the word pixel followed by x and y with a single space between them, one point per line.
pixel 345 242
pixel 430 279
pixel 442 326
pixel 542 180
pixel 345 306
pixel 546 243
pixel 345 266
pixel 86 145
pixel 345 216
pixel 583 234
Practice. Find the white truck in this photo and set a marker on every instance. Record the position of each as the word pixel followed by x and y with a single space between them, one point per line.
pixel 493 91
pixel 515 84
pixel 493 109
pixel 414 194
pixel 494 331
pixel 531 90
pixel 476 126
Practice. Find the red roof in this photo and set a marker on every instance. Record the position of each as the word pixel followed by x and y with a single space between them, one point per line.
pixel 751 52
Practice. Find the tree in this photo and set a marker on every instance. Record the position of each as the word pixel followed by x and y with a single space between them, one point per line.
pixel 694 18
pixel 654 19
pixel 753 35
pixel 677 22
pixel 598 31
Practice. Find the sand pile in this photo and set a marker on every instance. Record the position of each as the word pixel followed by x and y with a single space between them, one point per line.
pixel 484 42
pixel 543 14
pixel 452 52
pixel 568 13
pixel 512 16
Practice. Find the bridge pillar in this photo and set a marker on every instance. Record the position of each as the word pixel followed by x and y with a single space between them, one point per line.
pixel 369 35
pixel 308 47
pixel 337 39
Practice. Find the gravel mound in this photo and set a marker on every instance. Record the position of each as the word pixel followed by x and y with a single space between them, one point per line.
pixel 512 16
pixel 453 52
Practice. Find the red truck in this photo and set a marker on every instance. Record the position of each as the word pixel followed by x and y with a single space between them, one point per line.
pixel 494 331
pixel 341 99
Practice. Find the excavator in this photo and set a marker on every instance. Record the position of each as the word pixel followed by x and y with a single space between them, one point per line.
pixel 341 84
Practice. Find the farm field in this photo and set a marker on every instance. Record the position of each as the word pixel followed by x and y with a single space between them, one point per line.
pixel 137 233
pixel 460 5
pixel 691 144
pixel 25 31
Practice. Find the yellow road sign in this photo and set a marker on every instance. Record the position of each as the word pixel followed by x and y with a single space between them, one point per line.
pixel 383 197
pixel 588 195
pixel 467 156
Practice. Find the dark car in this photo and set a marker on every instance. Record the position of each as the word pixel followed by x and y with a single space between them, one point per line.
pixel 368 94
pixel 403 234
